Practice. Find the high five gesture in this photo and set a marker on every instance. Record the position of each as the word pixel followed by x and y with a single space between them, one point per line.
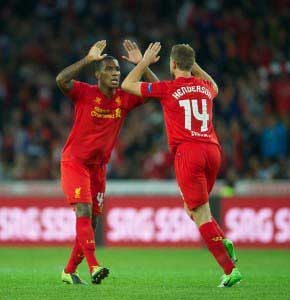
pixel 151 54
pixel 95 52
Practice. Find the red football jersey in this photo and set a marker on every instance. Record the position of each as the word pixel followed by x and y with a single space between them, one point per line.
pixel 187 107
pixel 97 122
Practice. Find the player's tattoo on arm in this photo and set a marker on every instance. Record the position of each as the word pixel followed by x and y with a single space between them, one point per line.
pixel 199 72
pixel 64 78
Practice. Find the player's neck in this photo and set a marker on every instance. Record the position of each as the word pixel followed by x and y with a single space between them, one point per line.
pixel 107 91
pixel 179 73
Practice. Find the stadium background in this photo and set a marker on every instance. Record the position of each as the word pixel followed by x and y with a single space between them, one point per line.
pixel 244 45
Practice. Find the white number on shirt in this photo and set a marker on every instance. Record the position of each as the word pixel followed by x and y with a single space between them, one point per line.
pixel 191 108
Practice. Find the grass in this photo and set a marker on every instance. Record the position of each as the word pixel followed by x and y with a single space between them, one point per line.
pixel 136 274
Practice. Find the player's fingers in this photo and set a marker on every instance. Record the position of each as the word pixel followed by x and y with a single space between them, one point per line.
pixel 129 44
pixel 132 45
pixel 100 45
pixel 157 58
pixel 158 48
pixel 125 45
pixel 155 46
pixel 150 46
pixel 95 45
pixel 135 45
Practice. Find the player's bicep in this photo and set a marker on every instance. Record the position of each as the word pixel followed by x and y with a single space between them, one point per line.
pixel 133 88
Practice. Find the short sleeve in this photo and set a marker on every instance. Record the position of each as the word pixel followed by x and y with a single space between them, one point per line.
pixel 134 101
pixel 154 89
pixel 78 90
pixel 209 85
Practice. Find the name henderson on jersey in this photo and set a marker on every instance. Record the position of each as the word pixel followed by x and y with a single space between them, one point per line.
pixel 191 89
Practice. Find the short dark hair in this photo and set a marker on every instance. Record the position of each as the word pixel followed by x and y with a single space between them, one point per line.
pixel 184 56
pixel 99 64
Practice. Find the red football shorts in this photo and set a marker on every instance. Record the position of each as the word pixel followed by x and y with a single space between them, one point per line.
pixel 84 183
pixel 196 168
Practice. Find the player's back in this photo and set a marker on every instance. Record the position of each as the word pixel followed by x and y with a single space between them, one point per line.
pixel 187 105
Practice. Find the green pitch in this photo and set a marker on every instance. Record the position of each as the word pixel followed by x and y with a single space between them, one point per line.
pixel 34 273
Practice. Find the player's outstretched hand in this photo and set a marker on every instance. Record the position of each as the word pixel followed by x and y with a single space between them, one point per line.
pixel 95 52
pixel 134 54
pixel 151 54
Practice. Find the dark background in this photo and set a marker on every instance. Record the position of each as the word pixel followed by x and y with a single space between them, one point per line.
pixel 244 45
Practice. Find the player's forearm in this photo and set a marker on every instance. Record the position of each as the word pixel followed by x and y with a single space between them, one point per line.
pixel 150 76
pixel 132 83
pixel 199 72
pixel 64 78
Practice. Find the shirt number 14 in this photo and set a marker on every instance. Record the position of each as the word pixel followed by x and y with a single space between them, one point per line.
pixel 191 109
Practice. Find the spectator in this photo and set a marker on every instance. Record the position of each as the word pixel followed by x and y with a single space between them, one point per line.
pixel 232 41
pixel 274 139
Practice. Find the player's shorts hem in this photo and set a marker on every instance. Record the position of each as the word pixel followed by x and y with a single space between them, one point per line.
pixel 74 201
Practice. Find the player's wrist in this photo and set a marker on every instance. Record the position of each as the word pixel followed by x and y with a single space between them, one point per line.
pixel 90 58
pixel 137 62
pixel 145 62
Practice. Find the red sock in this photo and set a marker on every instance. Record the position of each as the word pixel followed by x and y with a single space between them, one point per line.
pixel 85 236
pixel 75 259
pixel 221 232
pixel 214 242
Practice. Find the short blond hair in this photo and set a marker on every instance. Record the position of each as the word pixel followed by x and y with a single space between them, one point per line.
pixel 184 56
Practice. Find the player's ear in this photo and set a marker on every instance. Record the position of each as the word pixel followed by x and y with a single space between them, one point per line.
pixel 97 74
pixel 174 64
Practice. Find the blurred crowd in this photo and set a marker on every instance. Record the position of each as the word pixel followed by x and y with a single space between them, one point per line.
pixel 244 45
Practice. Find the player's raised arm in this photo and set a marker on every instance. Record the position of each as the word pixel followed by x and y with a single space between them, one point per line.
pixel 132 83
pixel 199 72
pixel 135 56
pixel 65 78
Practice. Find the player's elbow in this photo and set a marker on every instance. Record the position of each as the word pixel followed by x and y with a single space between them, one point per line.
pixel 61 82
pixel 216 88
pixel 58 80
